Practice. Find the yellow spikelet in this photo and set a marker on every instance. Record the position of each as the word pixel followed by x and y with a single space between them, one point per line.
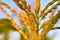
pixel 37 5
pixel 46 24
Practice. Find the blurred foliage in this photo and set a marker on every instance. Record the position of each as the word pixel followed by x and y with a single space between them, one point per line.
pixel 5 25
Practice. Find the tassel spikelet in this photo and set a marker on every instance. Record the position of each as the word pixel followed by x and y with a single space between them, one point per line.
pixel 47 26
pixel 49 10
pixel 13 23
pixel 46 7
pixel 37 5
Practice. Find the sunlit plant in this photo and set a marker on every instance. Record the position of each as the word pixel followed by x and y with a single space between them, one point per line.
pixel 32 20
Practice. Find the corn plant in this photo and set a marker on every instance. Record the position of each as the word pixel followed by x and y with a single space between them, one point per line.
pixel 32 20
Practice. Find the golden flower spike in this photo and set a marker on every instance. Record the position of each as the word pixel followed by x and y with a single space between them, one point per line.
pixel 14 24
